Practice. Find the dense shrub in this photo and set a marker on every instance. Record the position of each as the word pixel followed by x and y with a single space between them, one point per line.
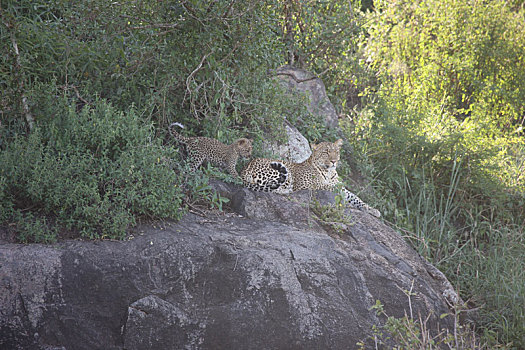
pixel 94 172
pixel 452 86
pixel 205 62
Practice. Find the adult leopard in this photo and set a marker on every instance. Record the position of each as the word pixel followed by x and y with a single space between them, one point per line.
pixel 318 172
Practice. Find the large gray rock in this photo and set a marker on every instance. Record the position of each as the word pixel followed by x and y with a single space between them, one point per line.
pixel 268 276
pixel 297 79
pixel 296 149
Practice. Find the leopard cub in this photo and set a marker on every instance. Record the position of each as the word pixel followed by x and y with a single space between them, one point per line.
pixel 213 151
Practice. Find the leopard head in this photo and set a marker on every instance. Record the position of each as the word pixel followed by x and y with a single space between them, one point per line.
pixel 325 155
pixel 244 147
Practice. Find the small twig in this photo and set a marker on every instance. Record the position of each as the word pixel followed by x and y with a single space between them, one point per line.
pixel 409 294
pixel 236 261
pixel 235 47
pixel 77 93
pixel 228 9
pixel 191 12
pixel 157 25
pixel 410 300
pixel 456 317
pixel 192 74
pixel 298 81
pixel 323 72
pixel 164 32
pixel 195 210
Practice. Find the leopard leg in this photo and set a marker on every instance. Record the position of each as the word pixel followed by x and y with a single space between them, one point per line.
pixel 196 161
pixel 356 202
pixel 232 170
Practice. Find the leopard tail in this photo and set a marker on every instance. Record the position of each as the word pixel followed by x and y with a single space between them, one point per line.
pixel 283 172
pixel 356 202
pixel 175 134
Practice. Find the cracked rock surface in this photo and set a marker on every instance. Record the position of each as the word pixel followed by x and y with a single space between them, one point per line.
pixel 267 275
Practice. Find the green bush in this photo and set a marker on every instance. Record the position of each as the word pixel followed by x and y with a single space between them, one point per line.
pixel 33 228
pixel 94 172
pixel 6 203
pixel 200 63
pixel 451 85
pixel 206 61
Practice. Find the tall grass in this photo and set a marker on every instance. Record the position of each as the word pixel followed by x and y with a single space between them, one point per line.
pixel 484 259
pixel 430 213
pixel 464 220
pixel 443 136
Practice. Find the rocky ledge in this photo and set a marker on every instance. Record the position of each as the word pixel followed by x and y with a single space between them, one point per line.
pixel 268 275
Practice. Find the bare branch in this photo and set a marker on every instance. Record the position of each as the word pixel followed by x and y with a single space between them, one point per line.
pixel 192 74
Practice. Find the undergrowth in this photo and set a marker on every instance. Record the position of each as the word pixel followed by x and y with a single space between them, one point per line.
pixel 412 332
pixel 333 216
pixel 476 239
pixel 94 172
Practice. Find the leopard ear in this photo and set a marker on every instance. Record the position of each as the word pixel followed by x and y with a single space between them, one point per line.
pixel 338 143
pixel 313 146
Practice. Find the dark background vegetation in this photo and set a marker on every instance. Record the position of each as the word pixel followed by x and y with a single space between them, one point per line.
pixel 430 95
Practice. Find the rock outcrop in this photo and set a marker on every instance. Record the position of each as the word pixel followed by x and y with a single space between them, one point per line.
pixel 268 275
pixel 296 149
pixel 297 79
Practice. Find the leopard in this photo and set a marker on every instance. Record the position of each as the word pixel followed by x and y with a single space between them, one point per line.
pixel 318 172
pixel 202 149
